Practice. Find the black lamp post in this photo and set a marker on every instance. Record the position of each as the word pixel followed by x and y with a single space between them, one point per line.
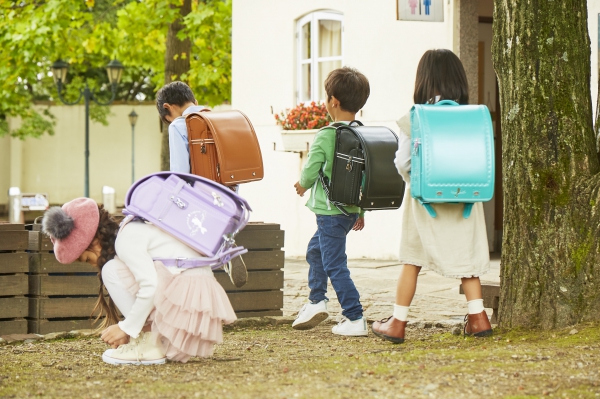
pixel 59 72
pixel 132 120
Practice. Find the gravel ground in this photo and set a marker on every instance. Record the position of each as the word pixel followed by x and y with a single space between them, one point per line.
pixel 278 362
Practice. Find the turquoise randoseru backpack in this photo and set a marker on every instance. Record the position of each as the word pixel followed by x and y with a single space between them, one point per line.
pixel 452 156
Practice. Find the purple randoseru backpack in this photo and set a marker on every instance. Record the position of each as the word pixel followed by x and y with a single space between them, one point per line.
pixel 199 212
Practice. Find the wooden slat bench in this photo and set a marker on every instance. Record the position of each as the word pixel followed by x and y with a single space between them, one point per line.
pixel 61 297
pixel 13 278
pixel 262 295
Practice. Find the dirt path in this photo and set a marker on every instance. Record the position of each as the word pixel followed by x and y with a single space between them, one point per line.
pixel 278 362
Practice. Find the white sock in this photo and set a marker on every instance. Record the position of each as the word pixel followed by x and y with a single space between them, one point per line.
pixel 475 306
pixel 400 312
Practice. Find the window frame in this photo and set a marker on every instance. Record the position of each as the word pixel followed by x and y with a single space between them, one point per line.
pixel 314 60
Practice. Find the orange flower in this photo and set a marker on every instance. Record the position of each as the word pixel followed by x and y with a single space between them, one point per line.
pixel 303 116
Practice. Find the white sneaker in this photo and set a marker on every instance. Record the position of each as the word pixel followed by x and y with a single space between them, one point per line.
pixel 145 349
pixel 311 315
pixel 356 328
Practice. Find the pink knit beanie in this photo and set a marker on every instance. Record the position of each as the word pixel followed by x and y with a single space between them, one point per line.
pixel 71 228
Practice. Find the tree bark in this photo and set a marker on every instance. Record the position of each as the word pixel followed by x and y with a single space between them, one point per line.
pixel 550 252
pixel 177 62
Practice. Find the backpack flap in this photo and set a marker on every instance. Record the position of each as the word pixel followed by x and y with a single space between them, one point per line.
pixel 382 187
pixel 239 159
pixel 199 212
pixel 203 152
pixel 452 159
pixel 348 167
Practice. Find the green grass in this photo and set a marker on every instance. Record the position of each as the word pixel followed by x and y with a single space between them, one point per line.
pixel 278 362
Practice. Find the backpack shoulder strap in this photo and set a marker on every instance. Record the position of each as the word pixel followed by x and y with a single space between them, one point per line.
pixel 325 180
pixel 333 125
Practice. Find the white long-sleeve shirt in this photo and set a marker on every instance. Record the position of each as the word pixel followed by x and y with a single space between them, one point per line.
pixel 137 243
pixel 179 149
pixel 402 160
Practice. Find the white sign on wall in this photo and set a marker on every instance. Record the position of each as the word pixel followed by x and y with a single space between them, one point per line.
pixel 421 10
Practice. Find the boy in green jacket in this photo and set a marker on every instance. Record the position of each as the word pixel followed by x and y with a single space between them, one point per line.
pixel 347 92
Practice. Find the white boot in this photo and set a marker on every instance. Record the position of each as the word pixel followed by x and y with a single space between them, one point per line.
pixel 145 349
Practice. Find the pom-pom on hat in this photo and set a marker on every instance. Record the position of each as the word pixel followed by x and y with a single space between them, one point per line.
pixel 71 227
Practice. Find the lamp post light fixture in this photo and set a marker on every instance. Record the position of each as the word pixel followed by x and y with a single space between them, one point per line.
pixel 114 70
pixel 132 120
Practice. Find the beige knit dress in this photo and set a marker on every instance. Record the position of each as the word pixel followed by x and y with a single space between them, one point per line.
pixel 448 244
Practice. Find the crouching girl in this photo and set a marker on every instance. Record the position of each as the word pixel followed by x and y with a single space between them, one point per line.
pixel 169 312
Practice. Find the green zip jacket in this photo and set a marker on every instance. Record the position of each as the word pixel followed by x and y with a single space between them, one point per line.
pixel 321 156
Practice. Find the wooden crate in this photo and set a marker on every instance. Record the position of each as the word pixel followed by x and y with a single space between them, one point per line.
pixel 13 307
pixel 13 311
pixel 48 277
pixel 262 295
pixel 13 278
pixel 61 297
pixel 38 241
pixel 13 240
pixel 13 326
pixel 43 326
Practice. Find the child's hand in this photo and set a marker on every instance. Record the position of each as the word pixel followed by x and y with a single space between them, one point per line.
pixel 114 336
pixel 299 189
pixel 359 225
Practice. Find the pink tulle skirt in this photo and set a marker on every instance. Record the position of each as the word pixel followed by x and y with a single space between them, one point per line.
pixel 190 310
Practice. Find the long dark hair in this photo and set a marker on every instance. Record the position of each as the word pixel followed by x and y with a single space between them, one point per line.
pixel 106 235
pixel 440 72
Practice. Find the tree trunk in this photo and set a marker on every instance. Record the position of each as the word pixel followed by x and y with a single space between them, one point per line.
pixel 550 251
pixel 177 62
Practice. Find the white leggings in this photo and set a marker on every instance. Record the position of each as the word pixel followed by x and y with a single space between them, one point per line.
pixel 121 296
pixel 118 292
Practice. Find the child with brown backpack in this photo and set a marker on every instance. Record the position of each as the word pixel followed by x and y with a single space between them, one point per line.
pixel 221 146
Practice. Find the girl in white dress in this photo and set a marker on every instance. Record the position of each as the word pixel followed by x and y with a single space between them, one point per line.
pixel 169 313
pixel 448 244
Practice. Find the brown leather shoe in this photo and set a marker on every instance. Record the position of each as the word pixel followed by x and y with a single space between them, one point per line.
pixel 390 329
pixel 478 325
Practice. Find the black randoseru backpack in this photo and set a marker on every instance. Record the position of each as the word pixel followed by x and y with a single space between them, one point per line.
pixel 363 172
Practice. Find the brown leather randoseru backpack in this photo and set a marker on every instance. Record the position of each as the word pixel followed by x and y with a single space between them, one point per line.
pixel 224 147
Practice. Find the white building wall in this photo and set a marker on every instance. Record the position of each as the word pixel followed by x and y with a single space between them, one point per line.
pixel 386 50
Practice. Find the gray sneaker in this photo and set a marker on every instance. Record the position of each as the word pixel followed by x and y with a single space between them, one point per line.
pixel 311 315
pixel 236 269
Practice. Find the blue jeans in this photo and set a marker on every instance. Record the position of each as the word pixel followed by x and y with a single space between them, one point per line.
pixel 326 257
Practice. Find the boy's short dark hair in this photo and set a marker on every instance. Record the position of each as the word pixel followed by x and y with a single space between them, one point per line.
pixel 175 93
pixel 440 72
pixel 349 86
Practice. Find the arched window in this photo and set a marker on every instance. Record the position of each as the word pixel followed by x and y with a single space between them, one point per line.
pixel 319 52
